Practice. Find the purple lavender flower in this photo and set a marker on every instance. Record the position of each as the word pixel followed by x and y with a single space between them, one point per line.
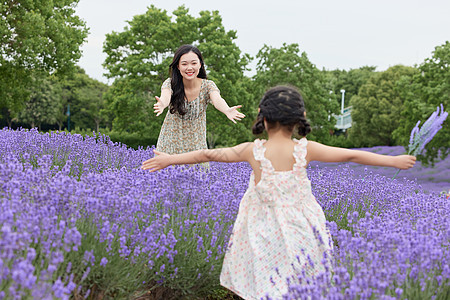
pixel 103 261
pixel 419 138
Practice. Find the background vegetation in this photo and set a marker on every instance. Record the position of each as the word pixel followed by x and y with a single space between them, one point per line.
pixel 40 86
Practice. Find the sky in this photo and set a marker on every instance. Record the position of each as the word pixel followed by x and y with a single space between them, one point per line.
pixel 344 34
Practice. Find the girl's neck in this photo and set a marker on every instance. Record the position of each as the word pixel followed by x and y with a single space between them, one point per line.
pixel 192 84
pixel 279 134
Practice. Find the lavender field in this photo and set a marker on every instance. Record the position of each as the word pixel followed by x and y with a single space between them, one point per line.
pixel 430 179
pixel 79 219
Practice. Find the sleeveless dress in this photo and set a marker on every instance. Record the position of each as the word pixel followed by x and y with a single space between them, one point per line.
pixel 180 134
pixel 273 236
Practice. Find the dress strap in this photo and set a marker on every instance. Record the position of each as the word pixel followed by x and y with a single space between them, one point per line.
pixel 300 152
pixel 258 152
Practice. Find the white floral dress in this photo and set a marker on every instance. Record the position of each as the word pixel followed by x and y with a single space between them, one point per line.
pixel 273 236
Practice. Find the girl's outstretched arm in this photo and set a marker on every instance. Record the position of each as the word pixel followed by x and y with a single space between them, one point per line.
pixel 241 152
pixel 221 105
pixel 319 152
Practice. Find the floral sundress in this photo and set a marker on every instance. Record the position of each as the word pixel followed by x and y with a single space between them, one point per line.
pixel 180 134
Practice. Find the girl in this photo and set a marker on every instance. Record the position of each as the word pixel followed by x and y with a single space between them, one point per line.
pixel 188 93
pixel 280 228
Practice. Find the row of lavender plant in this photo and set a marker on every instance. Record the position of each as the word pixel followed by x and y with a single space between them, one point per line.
pixel 391 242
pixel 78 216
pixel 429 178
pixel 116 228
pixel 85 153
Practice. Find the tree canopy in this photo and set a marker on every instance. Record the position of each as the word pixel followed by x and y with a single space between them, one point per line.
pixel 36 38
pixel 377 107
pixel 86 98
pixel 350 81
pixel 42 105
pixel 286 65
pixel 428 88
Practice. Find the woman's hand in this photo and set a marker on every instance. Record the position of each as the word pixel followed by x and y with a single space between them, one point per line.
pixel 404 162
pixel 158 107
pixel 160 161
pixel 233 114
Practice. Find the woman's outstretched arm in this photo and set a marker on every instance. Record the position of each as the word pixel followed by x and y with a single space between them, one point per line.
pixel 163 101
pixel 319 152
pixel 221 105
pixel 241 152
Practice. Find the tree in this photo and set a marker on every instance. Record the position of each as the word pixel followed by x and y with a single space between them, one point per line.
pixel 427 89
pixel 287 65
pixel 225 65
pixel 64 97
pixel 36 38
pixel 86 98
pixel 138 59
pixel 41 106
pixel 377 107
pixel 92 105
pixel 350 81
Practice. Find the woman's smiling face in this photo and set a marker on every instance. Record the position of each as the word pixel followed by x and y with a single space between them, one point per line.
pixel 189 65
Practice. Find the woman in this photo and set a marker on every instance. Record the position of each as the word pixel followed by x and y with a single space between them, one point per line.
pixel 188 93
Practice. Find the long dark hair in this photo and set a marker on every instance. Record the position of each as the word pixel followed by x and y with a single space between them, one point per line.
pixel 177 101
pixel 283 105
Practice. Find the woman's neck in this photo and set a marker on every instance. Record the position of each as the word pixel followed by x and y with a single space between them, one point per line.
pixel 192 84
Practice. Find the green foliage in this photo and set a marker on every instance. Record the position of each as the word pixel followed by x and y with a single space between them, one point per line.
pixel 426 90
pixel 350 81
pixel 36 38
pixel 288 66
pixel 341 141
pixel 133 140
pixel 225 66
pixel 130 139
pixel 87 102
pixel 377 107
pixel 11 95
pixel 138 59
pixel 50 96
pixel 42 105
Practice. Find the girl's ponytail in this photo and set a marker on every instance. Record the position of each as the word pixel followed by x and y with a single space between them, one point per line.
pixel 258 127
pixel 303 126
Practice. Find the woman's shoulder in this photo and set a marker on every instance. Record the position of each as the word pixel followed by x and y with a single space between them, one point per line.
pixel 167 84
pixel 210 85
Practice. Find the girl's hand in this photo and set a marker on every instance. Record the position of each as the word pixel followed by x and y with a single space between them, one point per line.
pixel 158 107
pixel 233 113
pixel 160 161
pixel 404 162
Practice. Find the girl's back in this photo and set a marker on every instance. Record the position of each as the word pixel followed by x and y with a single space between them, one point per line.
pixel 280 154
